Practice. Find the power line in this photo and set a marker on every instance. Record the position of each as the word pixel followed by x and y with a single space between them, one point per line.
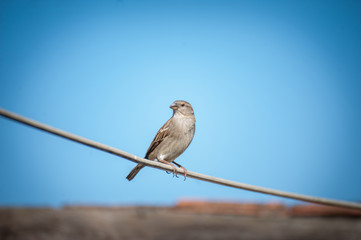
pixel 162 166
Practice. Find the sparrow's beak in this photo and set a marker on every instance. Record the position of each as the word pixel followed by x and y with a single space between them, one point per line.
pixel 173 106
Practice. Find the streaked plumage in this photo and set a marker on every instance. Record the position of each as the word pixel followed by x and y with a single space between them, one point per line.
pixel 173 137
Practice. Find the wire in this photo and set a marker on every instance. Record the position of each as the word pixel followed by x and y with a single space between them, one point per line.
pixel 162 166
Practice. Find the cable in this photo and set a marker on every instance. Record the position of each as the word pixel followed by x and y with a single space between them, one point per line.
pixel 162 166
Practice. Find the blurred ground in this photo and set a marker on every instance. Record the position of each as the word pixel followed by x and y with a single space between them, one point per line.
pixel 178 222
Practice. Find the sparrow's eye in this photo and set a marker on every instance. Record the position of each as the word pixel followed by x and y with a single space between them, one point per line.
pixel 182 104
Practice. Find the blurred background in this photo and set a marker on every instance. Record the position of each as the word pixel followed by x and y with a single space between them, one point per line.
pixel 275 86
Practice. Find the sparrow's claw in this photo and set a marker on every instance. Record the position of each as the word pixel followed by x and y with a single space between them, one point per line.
pixel 174 168
pixel 185 170
pixel 174 171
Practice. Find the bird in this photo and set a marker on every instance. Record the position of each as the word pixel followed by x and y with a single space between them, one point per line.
pixel 172 139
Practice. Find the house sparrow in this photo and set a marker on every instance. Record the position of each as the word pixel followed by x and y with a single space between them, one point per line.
pixel 172 138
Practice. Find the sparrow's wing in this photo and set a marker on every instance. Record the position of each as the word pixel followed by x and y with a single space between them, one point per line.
pixel 161 135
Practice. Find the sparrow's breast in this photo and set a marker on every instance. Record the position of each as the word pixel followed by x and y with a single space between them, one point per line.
pixel 177 142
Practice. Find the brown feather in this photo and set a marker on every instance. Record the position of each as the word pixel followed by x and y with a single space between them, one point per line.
pixel 161 135
pixel 135 171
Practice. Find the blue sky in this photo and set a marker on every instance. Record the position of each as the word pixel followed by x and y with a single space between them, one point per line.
pixel 275 86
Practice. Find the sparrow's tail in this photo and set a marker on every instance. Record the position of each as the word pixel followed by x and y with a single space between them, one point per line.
pixel 135 171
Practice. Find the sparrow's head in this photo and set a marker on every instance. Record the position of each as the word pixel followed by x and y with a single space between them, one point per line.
pixel 182 107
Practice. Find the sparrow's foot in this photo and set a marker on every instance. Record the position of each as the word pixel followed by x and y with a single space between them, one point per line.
pixel 174 168
pixel 185 170
pixel 175 172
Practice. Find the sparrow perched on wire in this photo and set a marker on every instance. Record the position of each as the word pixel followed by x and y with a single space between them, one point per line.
pixel 172 138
